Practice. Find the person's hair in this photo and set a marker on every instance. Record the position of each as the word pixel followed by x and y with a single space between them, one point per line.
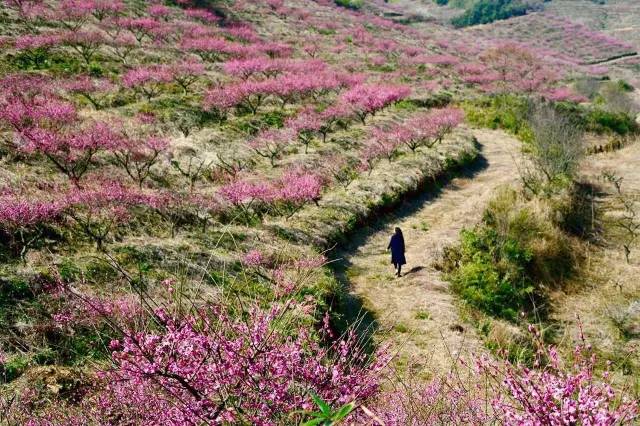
pixel 398 231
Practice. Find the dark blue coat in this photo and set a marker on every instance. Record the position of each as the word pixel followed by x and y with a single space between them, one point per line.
pixel 397 250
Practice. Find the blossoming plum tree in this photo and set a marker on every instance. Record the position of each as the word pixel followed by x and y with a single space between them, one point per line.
pixel 138 156
pixel 100 207
pixel 295 189
pixel 271 143
pixel 22 219
pixel 367 99
pixel 51 127
pixel 306 125
pixel 94 91
pixel 84 43
pixel 147 80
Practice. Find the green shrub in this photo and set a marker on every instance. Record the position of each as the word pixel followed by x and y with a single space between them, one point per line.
pixel 350 4
pixel 14 367
pixel 601 121
pixel 441 2
pixel 508 112
pixel 503 266
pixel 492 274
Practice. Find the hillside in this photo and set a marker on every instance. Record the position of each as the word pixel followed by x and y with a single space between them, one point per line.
pixel 195 197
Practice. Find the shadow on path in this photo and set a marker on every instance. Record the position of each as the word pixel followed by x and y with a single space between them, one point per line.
pixel 350 308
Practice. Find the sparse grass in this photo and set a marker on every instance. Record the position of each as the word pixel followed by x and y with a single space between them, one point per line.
pixel 423 315
pixel 401 328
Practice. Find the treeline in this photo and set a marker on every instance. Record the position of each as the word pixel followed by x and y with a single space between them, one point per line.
pixel 487 11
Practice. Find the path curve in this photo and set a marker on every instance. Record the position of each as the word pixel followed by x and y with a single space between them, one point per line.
pixel 416 313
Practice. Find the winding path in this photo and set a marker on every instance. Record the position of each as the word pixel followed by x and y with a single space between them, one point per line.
pixel 416 312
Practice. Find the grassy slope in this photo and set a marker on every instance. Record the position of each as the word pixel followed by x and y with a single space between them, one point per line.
pixel 211 256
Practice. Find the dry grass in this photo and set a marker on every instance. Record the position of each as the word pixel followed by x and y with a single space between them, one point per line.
pixel 342 208
pixel 604 294
pixel 417 313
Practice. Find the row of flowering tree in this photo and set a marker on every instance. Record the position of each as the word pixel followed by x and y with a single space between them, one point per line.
pixel 423 130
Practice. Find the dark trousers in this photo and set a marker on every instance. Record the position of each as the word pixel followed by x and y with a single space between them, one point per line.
pixel 398 267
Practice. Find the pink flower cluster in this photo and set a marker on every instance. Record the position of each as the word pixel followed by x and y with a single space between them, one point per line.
pixel 19 212
pixel 367 99
pixel 188 370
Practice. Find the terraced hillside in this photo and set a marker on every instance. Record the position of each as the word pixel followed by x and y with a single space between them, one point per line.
pixel 192 197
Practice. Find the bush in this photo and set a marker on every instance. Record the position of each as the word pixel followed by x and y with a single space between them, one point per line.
pixel 350 4
pixel 503 266
pixel 554 150
pixel 14 367
pixel 601 121
pixel 491 277
pixel 508 112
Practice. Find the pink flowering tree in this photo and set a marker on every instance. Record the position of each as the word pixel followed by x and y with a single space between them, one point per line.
pixel 47 126
pixel 246 94
pixel 207 365
pixel 295 189
pixel 186 73
pixel 23 218
pixel 98 209
pixel 274 49
pixel 367 99
pixel 553 393
pixel 103 9
pixel 382 144
pixel 137 157
pixel 184 209
pixel 516 66
pixel 294 86
pixel 93 90
pixel 342 170
pixel 142 28
pixel 203 15
pixel 249 200
pixel 84 43
pixel 34 48
pixel 251 67
pixel 121 44
pixel 28 11
pixel 306 125
pixel 148 81
pixel 270 144
pixel 333 116
pixel 72 14
pixel 212 49
pixel 425 129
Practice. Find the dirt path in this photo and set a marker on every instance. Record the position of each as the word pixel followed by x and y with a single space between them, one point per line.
pixel 416 312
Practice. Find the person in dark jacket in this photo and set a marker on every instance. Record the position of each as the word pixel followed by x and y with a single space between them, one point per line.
pixel 396 245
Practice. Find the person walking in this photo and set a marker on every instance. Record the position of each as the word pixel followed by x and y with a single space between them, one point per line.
pixel 396 245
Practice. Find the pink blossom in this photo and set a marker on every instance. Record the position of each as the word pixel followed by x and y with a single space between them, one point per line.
pixel 564 94
pixel 147 80
pixel 37 41
pixel 367 99
pixel 253 258
pixel 203 15
pixel 271 143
